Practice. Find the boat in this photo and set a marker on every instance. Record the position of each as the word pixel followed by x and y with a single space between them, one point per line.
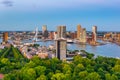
pixel 69 41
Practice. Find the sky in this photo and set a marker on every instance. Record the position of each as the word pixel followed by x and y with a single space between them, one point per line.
pixel 17 15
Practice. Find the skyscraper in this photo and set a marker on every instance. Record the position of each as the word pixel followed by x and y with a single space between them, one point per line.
pixel 51 35
pixel 55 35
pixel 61 49
pixel 83 36
pixel 61 32
pixel 94 33
pixel 119 37
pixel 5 37
pixel 78 31
pixel 44 28
pixel 44 31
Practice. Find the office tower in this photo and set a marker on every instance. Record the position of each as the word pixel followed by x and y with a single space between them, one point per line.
pixel 61 32
pixel 44 28
pixel 55 35
pixel 61 49
pixel 94 33
pixel 78 31
pixel 51 35
pixel 119 37
pixel 75 35
pixel 83 36
pixel 5 37
pixel 72 35
pixel 44 31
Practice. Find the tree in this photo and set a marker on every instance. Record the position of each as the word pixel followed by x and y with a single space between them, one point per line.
pixel 58 76
pixel 82 75
pixel 54 63
pixel 93 76
pixel 30 64
pixel 66 68
pixel 109 77
pixel 68 75
pixel 101 72
pixel 42 77
pixel 40 70
pixel 77 69
pixel 114 77
pixel 36 60
pixel 5 61
pixel 116 68
pixel 28 74
pixel 9 77
pixel 118 62
pixel 77 59
pixel 49 75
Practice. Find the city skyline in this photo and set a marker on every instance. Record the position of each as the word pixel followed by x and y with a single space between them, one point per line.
pixel 28 14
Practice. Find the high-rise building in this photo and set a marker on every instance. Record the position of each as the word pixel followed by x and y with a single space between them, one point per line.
pixel 61 49
pixel 83 36
pixel 72 35
pixel 75 35
pixel 44 31
pixel 94 33
pixel 44 28
pixel 5 37
pixel 55 35
pixel 78 31
pixel 51 35
pixel 119 37
pixel 61 32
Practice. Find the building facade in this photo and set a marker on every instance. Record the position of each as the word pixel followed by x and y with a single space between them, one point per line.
pixel 44 32
pixel 5 37
pixel 61 49
pixel 83 36
pixel 94 33
pixel 61 32
pixel 78 31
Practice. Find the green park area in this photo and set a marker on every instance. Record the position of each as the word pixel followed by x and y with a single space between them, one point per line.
pixel 15 67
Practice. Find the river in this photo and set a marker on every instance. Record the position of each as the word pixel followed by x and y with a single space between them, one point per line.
pixel 109 50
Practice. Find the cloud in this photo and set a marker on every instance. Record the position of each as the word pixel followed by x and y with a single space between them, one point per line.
pixel 7 3
pixel 46 5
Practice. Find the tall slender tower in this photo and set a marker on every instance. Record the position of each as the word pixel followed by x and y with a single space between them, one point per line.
pixel 94 31
pixel 61 49
pixel 119 37
pixel 5 37
pixel 83 36
pixel 44 28
pixel 78 31
pixel 44 32
pixel 61 32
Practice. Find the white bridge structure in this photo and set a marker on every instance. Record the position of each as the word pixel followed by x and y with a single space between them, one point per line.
pixel 35 39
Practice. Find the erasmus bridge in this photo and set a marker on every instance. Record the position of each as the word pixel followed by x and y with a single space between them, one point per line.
pixel 35 39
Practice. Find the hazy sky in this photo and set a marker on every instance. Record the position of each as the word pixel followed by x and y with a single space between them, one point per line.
pixel 28 14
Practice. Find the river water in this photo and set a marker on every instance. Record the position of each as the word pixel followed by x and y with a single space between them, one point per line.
pixel 109 50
